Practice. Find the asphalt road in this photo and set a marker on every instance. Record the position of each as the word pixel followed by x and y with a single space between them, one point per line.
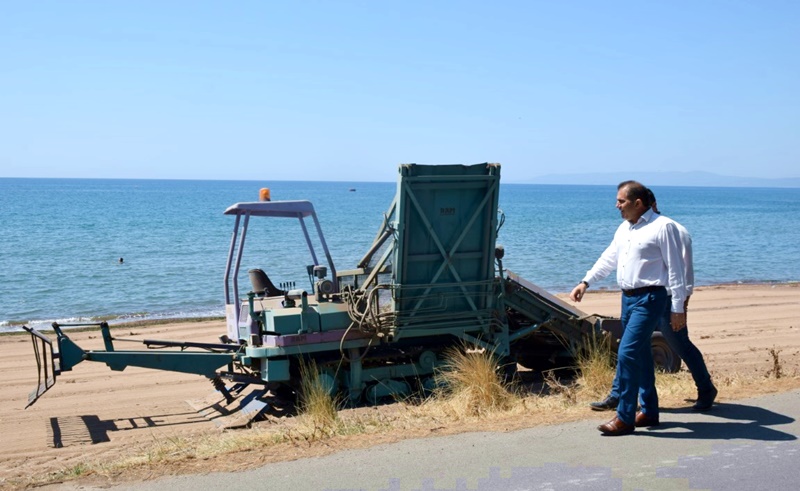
pixel 749 445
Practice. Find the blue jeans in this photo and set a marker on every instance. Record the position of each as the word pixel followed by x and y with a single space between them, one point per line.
pixel 636 375
pixel 680 343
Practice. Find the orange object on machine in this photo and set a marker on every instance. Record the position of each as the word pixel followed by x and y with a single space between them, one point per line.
pixel 263 195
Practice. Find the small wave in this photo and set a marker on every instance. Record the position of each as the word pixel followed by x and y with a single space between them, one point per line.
pixel 40 324
pixel 16 326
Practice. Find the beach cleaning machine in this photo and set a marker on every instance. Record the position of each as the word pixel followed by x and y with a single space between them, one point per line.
pixel 433 279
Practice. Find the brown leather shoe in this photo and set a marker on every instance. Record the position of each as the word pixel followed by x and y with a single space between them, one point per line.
pixel 643 420
pixel 616 427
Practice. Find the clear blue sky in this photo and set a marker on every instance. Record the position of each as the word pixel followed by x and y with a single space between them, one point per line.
pixel 331 90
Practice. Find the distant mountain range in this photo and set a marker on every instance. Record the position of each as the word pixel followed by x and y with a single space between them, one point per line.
pixel 703 179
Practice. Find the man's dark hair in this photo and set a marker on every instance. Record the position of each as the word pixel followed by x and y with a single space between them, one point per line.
pixel 651 196
pixel 636 190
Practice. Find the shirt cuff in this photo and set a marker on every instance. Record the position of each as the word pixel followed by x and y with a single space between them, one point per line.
pixel 677 305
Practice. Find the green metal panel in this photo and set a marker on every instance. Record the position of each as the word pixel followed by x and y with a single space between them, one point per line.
pixel 283 321
pixel 446 224
pixel 273 370
pixel 332 316
pixel 293 320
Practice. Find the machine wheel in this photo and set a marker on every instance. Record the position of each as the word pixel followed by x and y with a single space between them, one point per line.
pixel 663 357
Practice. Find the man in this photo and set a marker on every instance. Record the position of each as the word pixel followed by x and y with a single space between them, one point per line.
pixel 678 340
pixel 646 254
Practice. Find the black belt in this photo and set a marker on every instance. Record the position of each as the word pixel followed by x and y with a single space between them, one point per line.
pixel 642 290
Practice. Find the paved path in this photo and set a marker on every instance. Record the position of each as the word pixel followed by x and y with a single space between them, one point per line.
pixel 749 445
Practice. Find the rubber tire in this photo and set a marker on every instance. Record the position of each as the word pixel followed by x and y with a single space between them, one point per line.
pixel 664 358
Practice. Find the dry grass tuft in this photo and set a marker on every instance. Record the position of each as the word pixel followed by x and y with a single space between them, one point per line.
pixel 319 410
pixel 596 364
pixel 471 384
pixel 777 367
pixel 566 393
pixel 674 389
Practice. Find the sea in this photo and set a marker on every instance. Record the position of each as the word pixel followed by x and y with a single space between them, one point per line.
pixel 85 250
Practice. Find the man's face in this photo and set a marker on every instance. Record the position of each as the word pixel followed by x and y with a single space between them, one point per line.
pixel 629 210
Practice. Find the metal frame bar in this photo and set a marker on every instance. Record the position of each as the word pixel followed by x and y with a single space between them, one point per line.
pixel 283 209
pixel 308 241
pixel 232 247
pixel 334 279
pixel 46 371
pixel 239 252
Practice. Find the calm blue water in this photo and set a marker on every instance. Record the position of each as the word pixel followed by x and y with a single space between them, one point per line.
pixel 61 239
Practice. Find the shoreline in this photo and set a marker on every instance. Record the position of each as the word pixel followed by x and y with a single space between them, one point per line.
pixel 123 320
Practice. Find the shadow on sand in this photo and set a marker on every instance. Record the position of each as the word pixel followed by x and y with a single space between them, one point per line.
pixel 90 429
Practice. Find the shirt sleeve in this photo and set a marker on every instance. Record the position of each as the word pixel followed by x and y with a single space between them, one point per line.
pixel 672 254
pixel 686 244
pixel 604 266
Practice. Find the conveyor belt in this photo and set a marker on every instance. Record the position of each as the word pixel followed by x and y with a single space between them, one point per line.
pixel 546 311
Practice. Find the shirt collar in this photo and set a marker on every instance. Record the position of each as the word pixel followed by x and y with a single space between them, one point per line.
pixel 646 217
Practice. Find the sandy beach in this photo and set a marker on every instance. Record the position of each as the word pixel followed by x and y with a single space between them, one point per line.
pixel 102 415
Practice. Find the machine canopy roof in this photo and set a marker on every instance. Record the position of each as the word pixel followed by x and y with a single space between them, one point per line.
pixel 289 209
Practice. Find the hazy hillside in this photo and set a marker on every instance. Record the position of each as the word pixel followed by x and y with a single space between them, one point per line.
pixel 665 179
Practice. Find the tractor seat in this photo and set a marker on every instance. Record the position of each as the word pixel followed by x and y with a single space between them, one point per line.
pixel 262 286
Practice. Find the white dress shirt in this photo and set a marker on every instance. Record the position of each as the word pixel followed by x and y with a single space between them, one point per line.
pixel 686 252
pixel 647 253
